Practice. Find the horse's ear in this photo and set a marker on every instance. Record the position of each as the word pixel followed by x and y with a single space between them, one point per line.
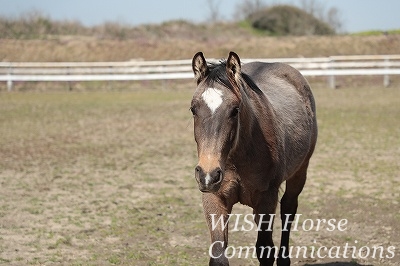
pixel 233 67
pixel 199 66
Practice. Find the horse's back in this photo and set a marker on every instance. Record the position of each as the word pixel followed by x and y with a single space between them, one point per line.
pixel 291 98
pixel 278 78
pixel 286 89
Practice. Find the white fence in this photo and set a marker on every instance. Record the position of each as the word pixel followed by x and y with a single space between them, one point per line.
pixel 382 65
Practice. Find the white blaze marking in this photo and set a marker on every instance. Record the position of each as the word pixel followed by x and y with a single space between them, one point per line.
pixel 213 98
pixel 208 179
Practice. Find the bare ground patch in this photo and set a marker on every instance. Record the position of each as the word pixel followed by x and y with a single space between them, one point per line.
pixel 107 179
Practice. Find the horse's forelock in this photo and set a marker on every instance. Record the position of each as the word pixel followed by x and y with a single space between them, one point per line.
pixel 217 74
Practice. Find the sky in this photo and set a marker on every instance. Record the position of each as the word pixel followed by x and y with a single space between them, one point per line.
pixel 356 15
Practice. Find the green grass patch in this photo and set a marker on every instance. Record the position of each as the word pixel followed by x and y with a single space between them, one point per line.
pixel 377 32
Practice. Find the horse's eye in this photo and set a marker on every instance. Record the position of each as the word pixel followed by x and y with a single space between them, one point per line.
pixel 193 110
pixel 235 111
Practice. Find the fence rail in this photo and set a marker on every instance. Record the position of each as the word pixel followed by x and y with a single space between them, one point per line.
pixel 382 65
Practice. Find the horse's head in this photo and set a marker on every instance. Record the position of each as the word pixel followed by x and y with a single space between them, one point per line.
pixel 215 107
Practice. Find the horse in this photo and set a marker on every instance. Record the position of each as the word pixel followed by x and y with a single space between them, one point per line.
pixel 255 127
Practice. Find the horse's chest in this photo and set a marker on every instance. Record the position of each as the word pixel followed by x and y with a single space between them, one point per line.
pixel 248 193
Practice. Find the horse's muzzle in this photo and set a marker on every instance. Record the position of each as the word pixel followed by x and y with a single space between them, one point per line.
pixel 209 181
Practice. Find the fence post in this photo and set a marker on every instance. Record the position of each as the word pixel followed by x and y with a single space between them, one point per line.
pixel 386 78
pixel 9 79
pixel 110 68
pixel 70 87
pixel 9 83
pixel 331 78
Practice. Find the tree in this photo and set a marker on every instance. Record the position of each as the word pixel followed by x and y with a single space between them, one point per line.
pixel 319 10
pixel 333 18
pixel 246 7
pixel 213 6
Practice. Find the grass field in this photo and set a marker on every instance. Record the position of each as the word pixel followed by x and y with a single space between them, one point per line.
pixel 67 48
pixel 106 178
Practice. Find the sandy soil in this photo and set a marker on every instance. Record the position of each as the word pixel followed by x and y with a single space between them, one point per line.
pixel 107 179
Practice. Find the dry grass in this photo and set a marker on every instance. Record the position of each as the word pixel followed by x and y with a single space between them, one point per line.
pixel 92 177
pixel 94 49
pixel 106 178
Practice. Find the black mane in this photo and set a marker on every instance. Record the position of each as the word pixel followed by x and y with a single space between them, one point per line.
pixel 217 73
pixel 250 83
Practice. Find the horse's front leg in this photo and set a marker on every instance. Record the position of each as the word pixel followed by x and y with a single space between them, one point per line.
pixel 264 218
pixel 217 213
pixel 289 203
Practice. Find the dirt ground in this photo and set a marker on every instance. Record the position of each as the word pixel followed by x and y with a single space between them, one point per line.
pixel 106 178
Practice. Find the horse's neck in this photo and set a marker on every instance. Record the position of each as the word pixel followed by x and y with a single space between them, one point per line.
pixel 256 127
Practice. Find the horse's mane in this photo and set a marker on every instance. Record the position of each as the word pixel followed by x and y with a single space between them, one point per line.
pixel 217 73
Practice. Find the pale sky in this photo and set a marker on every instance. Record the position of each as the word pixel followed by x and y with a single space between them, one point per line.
pixel 356 15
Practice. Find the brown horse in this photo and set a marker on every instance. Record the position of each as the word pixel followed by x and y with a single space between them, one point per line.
pixel 255 127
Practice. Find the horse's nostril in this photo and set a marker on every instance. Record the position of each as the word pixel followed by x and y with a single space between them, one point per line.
pixel 197 169
pixel 217 175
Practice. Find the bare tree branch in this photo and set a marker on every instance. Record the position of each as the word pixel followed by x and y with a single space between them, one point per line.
pixel 213 6
pixel 246 7
pixel 318 10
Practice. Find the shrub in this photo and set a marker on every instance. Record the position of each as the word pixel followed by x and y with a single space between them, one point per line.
pixel 36 25
pixel 288 20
